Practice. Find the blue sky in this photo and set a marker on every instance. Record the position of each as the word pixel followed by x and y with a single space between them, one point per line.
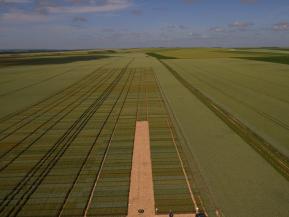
pixel 81 24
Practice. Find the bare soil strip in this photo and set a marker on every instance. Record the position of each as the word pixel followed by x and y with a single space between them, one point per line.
pixel 141 194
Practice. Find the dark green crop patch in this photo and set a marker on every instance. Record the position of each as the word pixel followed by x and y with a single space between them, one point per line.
pixel 11 61
pixel 159 56
pixel 284 59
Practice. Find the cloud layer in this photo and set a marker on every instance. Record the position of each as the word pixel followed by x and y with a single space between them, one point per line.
pixel 63 6
pixel 281 26
pixel 91 7
pixel 133 23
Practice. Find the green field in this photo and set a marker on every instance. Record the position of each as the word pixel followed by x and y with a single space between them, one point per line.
pixel 67 122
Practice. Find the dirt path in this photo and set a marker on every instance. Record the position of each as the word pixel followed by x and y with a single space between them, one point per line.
pixel 141 195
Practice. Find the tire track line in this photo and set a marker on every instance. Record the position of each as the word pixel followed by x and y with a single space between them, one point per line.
pixel 88 204
pixel 69 137
pixel 263 114
pixel 9 116
pixel 60 212
pixel 50 108
pixel 75 104
pixel 279 161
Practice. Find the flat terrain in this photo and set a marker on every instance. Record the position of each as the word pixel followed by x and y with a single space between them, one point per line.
pixel 141 194
pixel 234 172
pixel 255 92
pixel 67 132
pixel 70 154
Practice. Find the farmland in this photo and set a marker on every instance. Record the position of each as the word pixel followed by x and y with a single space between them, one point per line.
pixel 67 124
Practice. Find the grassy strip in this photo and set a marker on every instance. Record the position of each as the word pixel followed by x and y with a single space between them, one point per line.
pixel 159 56
pixel 284 59
pixel 265 149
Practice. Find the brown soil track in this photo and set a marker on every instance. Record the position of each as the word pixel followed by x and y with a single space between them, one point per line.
pixel 141 195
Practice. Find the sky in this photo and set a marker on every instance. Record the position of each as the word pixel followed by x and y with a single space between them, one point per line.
pixel 89 24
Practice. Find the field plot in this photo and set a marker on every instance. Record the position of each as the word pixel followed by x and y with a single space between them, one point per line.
pixel 240 181
pixel 254 92
pixel 66 144
pixel 22 86
pixel 47 154
pixel 170 188
pixel 70 154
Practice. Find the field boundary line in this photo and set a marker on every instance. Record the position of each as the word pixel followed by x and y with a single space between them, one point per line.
pixel 11 115
pixel 183 168
pixel 88 155
pixel 184 141
pixel 88 204
pixel 265 115
pixel 76 103
pixel 35 83
pixel 67 138
pixel 278 160
pixel 57 102
pixel 170 121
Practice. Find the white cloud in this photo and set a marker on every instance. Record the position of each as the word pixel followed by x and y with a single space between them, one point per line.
pixel 16 1
pixel 42 8
pixel 198 35
pixel 217 29
pixel 16 16
pixel 107 6
pixel 241 24
pixel 282 26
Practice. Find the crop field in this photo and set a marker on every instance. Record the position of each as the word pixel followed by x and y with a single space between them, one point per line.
pixel 70 154
pixel 250 92
pixel 67 127
pixel 254 92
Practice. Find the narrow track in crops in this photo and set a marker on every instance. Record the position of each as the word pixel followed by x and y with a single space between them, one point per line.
pixel 170 126
pixel 209 206
pixel 60 211
pixel 258 78
pixel 263 147
pixel 258 90
pixel 43 167
pixel 138 97
pixel 25 73
pixel 265 115
pixel 35 83
pixel 150 85
pixel 89 201
pixel 53 100
pixel 67 109
pixel 41 104
pixel 143 105
pixel 53 106
pixel 6 82
pixel 137 115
